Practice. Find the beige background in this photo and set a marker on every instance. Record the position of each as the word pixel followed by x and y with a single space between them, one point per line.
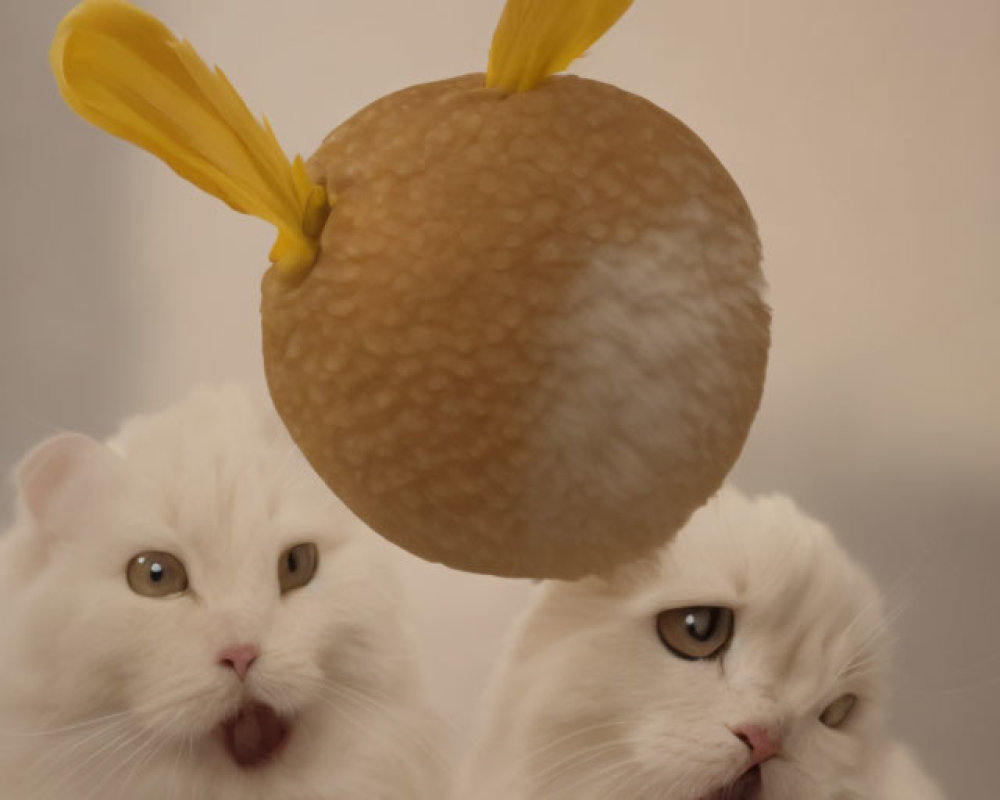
pixel 864 135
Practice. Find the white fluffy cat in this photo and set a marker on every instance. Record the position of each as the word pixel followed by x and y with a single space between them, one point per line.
pixel 187 612
pixel 746 663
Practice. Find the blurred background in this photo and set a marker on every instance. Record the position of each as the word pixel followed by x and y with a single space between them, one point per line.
pixel 865 136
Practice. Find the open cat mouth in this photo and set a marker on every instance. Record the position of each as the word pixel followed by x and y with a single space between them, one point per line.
pixel 745 787
pixel 254 735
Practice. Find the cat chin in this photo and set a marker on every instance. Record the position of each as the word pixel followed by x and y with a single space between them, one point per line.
pixel 746 787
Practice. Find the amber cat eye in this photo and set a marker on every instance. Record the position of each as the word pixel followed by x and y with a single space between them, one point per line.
pixel 695 633
pixel 156 574
pixel 297 566
pixel 838 712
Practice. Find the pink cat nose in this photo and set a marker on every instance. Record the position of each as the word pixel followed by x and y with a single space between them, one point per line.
pixel 763 743
pixel 239 657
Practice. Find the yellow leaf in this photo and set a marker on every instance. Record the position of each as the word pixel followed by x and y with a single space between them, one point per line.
pixel 123 70
pixel 536 38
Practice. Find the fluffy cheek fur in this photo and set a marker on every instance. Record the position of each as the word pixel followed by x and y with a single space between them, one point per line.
pixel 622 726
pixel 691 708
pixel 84 663
pixel 826 765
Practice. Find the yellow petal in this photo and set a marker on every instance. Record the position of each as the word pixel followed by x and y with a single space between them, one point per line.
pixel 536 38
pixel 121 69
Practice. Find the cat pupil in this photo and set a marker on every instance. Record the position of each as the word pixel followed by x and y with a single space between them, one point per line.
pixel 156 572
pixel 700 624
pixel 296 566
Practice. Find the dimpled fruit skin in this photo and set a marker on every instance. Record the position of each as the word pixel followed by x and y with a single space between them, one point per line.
pixel 534 340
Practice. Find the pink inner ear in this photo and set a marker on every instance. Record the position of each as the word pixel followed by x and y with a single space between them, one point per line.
pixel 48 469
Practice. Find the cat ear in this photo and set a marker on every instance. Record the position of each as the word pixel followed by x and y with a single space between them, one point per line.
pixel 59 471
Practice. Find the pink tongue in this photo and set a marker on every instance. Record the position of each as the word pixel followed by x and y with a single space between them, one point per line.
pixel 254 735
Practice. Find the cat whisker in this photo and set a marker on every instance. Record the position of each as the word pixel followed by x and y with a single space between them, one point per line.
pixel 162 739
pixel 133 748
pixel 190 754
pixel 575 733
pixel 654 782
pixel 96 759
pixel 884 626
pixel 580 758
pixel 605 777
pixel 178 760
pixel 156 742
pixel 433 761
pixel 112 729
pixel 886 618
pixel 66 728
pixel 650 784
pixel 405 728
pixel 614 780
pixel 179 695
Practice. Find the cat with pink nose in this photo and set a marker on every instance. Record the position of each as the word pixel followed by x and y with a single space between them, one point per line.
pixel 745 661
pixel 187 612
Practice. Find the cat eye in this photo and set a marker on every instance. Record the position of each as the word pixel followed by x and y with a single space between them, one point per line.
pixel 695 633
pixel 836 714
pixel 156 574
pixel 297 566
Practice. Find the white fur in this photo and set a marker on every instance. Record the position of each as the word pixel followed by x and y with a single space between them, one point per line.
pixel 589 705
pixel 657 361
pixel 107 694
pixel 642 341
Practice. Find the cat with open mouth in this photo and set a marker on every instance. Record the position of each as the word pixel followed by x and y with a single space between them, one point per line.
pixel 746 662
pixel 187 612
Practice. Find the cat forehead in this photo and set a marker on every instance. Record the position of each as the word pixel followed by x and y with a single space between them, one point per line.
pixel 744 548
pixel 216 464
pixel 782 572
